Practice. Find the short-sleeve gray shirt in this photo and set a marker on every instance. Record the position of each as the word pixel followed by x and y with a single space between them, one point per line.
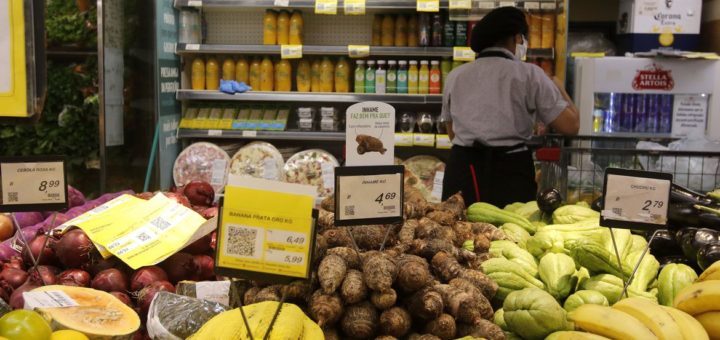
pixel 495 100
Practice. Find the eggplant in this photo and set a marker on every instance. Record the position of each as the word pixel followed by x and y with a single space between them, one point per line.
pixel 664 244
pixel 691 242
pixel 678 235
pixel 680 194
pixel 664 261
pixel 709 220
pixel 548 200
pixel 683 214
pixel 707 255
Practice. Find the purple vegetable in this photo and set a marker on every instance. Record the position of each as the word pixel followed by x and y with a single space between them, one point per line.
pixel 26 219
pixel 75 197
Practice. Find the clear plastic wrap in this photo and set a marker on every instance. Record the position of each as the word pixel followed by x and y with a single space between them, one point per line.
pixel 314 167
pixel 429 172
pixel 202 162
pixel 175 317
pixel 260 160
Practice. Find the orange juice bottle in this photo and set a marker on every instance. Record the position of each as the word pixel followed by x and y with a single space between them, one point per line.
pixel 228 71
pixel 270 29
pixel 412 31
pixel 267 75
pixel 254 78
pixel 283 81
pixel 315 76
pixel 242 70
pixel 212 74
pixel 198 74
pixel 377 30
pixel 435 77
pixel 304 82
pixel 327 75
pixel 283 28
pixel 342 76
pixel 296 28
pixel 388 31
pixel 401 31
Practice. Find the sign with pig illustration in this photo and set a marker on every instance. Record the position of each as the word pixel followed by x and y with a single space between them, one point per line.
pixel 370 134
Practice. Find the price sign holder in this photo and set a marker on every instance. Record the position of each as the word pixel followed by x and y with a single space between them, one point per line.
pixel 33 184
pixel 369 195
pixel 634 199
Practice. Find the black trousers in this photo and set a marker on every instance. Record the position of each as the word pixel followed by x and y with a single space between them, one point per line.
pixel 496 175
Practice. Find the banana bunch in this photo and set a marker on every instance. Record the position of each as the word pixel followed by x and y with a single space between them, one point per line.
pixel 633 318
pixel 291 323
pixel 702 300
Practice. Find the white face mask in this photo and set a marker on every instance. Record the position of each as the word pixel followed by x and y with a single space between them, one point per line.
pixel 521 49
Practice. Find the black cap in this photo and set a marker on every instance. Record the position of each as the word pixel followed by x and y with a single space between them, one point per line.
pixel 497 25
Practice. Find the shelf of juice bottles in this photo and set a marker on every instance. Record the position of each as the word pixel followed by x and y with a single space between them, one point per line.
pixel 258 96
pixel 375 51
pixel 369 4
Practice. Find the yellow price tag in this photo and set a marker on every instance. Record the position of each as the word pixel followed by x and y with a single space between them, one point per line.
pixel 358 51
pixel 403 139
pixel 326 7
pixel 461 53
pixel 354 7
pixel 443 142
pixel 265 232
pixel 460 4
pixel 424 139
pixel 428 5
pixel 291 51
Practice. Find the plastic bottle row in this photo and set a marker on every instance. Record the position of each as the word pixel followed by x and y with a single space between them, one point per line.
pixel 541 32
pixel 283 27
pixel 324 75
pixel 422 30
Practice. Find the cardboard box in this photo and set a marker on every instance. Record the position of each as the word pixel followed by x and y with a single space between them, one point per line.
pixel 649 24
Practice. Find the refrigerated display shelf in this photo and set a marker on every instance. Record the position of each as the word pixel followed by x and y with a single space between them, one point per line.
pixel 302 97
pixel 369 4
pixel 188 49
pixel 264 135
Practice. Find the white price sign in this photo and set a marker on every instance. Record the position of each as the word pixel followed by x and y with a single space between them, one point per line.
pixel 369 195
pixel 460 4
pixel 33 184
pixel 291 51
pixel 281 3
pixel 635 199
pixel 48 299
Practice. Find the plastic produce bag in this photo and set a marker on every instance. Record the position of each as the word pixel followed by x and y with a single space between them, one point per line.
pixel 175 317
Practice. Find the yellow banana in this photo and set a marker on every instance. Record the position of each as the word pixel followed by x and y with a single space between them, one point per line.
pixel 609 322
pixel 711 322
pixel 711 273
pixel 311 330
pixel 700 297
pixel 574 335
pixel 652 316
pixel 690 328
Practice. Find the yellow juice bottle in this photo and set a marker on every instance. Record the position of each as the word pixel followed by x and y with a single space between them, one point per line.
pixel 424 78
pixel 254 78
pixel 283 28
pixel 283 79
pixel 198 74
pixel 388 31
pixel 296 28
pixel 242 70
pixel 270 29
pixel 304 83
pixel 212 74
pixel 267 75
pixel 401 31
pixel 315 76
pixel 228 70
pixel 327 75
pixel 412 31
pixel 342 76
pixel 413 77
pixel 377 30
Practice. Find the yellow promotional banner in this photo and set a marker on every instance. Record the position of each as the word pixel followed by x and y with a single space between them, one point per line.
pixel 13 79
pixel 266 232
pixel 140 233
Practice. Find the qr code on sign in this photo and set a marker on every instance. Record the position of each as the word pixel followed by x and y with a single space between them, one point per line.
pixel 13 197
pixel 617 211
pixel 242 241
pixel 350 210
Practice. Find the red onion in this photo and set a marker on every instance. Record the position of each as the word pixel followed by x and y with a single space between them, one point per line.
pixel 16 299
pixel 124 298
pixel 97 263
pixel 146 295
pixel 180 198
pixel 144 276
pixel 145 195
pixel 209 213
pixel 180 266
pixel 206 267
pixel 199 193
pixel 36 246
pixel 47 275
pixel 74 277
pixel 14 262
pixel 201 246
pixel 213 240
pixel 14 277
pixel 74 248
pixel 110 280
